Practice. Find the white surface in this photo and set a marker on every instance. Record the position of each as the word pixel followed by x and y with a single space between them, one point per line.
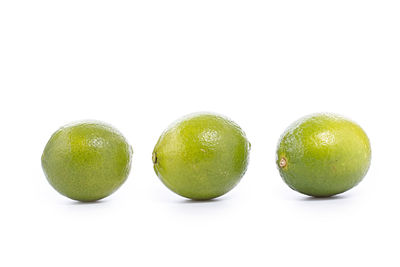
pixel 140 65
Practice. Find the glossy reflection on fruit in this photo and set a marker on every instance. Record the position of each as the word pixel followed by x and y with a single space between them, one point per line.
pixel 323 155
pixel 202 156
pixel 87 161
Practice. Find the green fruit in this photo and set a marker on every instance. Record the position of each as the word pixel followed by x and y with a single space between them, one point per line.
pixel 323 155
pixel 86 161
pixel 201 156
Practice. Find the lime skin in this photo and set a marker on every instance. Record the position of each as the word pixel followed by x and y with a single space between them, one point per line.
pixel 322 155
pixel 201 156
pixel 87 161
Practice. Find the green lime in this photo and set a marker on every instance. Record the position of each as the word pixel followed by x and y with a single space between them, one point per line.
pixel 86 161
pixel 202 156
pixel 323 155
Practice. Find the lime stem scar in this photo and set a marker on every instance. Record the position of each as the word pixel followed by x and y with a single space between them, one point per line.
pixel 283 162
pixel 154 157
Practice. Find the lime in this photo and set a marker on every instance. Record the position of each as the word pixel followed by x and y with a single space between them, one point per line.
pixel 323 155
pixel 86 161
pixel 202 156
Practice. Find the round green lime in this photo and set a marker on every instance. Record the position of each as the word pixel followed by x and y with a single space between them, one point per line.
pixel 323 155
pixel 87 161
pixel 201 156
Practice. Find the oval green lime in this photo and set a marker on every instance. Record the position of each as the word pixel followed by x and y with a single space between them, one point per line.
pixel 322 155
pixel 201 156
pixel 87 161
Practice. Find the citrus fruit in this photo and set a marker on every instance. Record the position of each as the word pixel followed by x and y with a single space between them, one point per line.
pixel 86 161
pixel 323 155
pixel 201 156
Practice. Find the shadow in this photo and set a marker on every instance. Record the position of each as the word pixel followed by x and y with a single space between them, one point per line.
pixel 196 202
pixel 192 203
pixel 91 203
pixel 322 199
pixel 196 208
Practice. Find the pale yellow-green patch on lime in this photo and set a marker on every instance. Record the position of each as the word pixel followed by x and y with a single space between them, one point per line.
pixel 87 161
pixel 201 156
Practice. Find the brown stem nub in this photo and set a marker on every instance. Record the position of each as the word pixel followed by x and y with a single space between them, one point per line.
pixel 154 157
pixel 283 162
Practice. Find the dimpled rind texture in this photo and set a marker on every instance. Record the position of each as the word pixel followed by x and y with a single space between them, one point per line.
pixel 202 156
pixel 325 155
pixel 87 161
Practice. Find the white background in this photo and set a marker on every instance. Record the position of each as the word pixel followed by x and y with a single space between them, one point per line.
pixel 140 65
